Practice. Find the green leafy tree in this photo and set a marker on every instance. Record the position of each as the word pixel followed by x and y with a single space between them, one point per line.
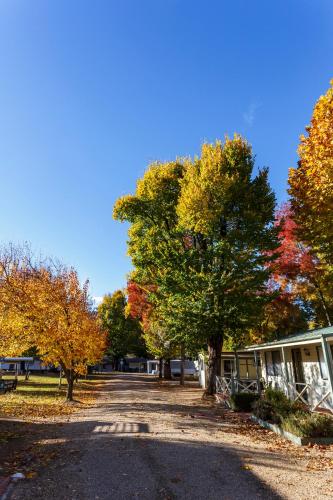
pixel 155 333
pixel 157 247
pixel 202 233
pixel 229 214
pixel 124 332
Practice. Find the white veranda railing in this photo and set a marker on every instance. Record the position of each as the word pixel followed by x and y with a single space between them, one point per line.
pixel 306 393
pixel 231 385
pixel 297 391
pixel 226 386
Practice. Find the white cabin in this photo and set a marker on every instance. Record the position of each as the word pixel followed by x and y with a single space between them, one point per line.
pixel 301 365
pixel 240 371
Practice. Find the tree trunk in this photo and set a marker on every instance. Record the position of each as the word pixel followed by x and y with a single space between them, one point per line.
pixel 70 386
pixel 27 371
pixel 70 376
pixel 215 343
pixel 182 365
pixel 323 303
pixel 160 369
pixel 167 369
pixel 60 379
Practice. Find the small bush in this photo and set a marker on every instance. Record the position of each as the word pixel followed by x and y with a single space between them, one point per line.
pixel 276 406
pixel 280 402
pixel 298 406
pixel 265 410
pixel 243 401
pixel 293 417
pixel 276 396
pixel 305 424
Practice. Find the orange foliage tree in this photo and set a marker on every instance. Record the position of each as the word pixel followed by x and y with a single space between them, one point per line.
pixel 43 305
pixel 311 183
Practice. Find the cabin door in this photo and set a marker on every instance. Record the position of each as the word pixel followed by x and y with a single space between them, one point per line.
pixel 298 370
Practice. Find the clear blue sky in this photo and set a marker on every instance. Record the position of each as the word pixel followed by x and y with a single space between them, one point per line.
pixel 92 91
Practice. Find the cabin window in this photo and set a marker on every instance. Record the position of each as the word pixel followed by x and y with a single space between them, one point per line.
pixel 227 367
pixel 276 363
pixel 243 368
pixel 247 368
pixel 322 364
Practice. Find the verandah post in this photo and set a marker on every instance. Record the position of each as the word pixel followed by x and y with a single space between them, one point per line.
pixel 329 362
pixel 237 372
pixel 285 368
pixel 257 371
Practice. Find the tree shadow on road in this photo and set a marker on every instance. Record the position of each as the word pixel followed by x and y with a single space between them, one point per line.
pixel 98 459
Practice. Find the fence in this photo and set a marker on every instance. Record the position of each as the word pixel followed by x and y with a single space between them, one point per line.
pixel 307 394
pixel 232 385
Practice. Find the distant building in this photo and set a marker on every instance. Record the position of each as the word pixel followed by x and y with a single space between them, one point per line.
pixel 190 368
pixel 21 364
pixel 138 365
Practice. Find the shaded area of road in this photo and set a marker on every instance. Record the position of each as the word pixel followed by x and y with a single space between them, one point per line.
pixel 140 441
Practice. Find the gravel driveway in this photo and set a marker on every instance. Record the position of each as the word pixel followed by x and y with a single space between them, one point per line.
pixel 147 440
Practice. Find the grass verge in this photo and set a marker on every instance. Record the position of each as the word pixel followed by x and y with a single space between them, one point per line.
pixel 39 397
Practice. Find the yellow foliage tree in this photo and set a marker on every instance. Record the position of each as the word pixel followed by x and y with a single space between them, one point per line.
pixel 44 305
pixel 311 183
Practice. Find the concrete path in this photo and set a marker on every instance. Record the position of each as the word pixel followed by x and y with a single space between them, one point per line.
pixel 146 441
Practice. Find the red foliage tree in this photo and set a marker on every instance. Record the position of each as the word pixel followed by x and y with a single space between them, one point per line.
pixel 138 304
pixel 298 270
pixel 295 259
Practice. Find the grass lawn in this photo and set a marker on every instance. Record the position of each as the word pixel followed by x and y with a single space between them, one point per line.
pixel 39 397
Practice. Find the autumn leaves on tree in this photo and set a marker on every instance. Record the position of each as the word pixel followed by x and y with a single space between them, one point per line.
pixel 123 330
pixel 311 190
pixel 44 306
pixel 301 276
pixel 215 263
pixel 311 183
pixel 200 236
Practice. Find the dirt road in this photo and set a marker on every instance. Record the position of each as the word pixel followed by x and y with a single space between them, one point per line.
pixel 143 440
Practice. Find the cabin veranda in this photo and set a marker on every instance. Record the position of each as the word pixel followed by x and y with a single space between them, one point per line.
pixel 300 365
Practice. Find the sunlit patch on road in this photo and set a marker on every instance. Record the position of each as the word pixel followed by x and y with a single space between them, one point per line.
pixel 122 428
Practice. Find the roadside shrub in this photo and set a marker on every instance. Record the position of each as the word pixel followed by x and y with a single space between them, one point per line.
pixel 280 402
pixel 243 401
pixel 293 417
pixel 277 397
pixel 308 424
pixel 275 406
pixel 265 410
pixel 298 406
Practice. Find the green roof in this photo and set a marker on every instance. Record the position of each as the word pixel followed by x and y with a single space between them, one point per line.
pixel 298 337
